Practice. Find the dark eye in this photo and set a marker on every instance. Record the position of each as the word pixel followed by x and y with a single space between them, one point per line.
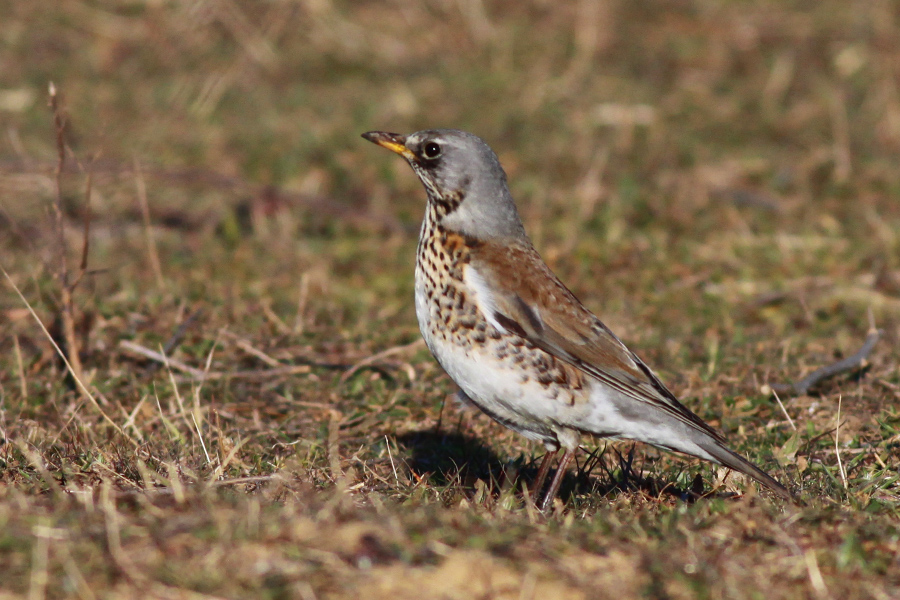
pixel 431 150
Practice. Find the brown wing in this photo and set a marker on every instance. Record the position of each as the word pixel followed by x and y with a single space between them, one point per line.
pixel 529 300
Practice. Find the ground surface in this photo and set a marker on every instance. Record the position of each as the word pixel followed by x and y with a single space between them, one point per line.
pixel 718 180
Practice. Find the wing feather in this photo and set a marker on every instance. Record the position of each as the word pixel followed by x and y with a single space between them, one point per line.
pixel 523 296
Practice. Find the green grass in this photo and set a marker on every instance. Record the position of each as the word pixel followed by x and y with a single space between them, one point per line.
pixel 717 180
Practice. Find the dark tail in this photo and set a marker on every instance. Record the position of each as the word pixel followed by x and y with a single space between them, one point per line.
pixel 737 462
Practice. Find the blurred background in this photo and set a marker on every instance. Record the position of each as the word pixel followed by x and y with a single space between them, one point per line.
pixel 625 127
pixel 745 149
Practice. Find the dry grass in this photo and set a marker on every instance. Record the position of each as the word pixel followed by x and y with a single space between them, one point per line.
pixel 716 179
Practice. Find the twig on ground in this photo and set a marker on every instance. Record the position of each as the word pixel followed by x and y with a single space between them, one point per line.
pixel 247 347
pixel 805 448
pixel 201 375
pixel 375 358
pixel 889 386
pixel 176 338
pixel 851 363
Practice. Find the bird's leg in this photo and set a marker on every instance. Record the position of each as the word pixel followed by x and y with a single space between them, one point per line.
pixel 542 474
pixel 557 478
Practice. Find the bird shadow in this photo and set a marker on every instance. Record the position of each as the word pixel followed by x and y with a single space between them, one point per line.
pixel 445 458
pixel 451 458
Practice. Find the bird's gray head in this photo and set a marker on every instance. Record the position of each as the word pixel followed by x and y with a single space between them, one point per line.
pixel 463 178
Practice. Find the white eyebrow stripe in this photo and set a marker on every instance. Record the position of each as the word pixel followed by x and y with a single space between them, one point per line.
pixel 484 299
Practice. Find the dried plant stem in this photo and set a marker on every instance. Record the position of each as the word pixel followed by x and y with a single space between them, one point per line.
pixel 114 535
pixel 419 343
pixel 66 288
pixel 40 555
pixel 837 445
pixel 387 444
pixel 20 368
pixel 78 381
pixel 152 250
pixel 201 375
pixel 784 410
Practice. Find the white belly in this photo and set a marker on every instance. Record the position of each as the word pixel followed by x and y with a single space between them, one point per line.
pixel 498 386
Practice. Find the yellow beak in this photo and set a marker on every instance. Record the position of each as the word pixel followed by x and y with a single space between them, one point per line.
pixel 392 141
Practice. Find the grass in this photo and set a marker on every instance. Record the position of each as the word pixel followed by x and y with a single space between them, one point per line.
pixel 717 180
